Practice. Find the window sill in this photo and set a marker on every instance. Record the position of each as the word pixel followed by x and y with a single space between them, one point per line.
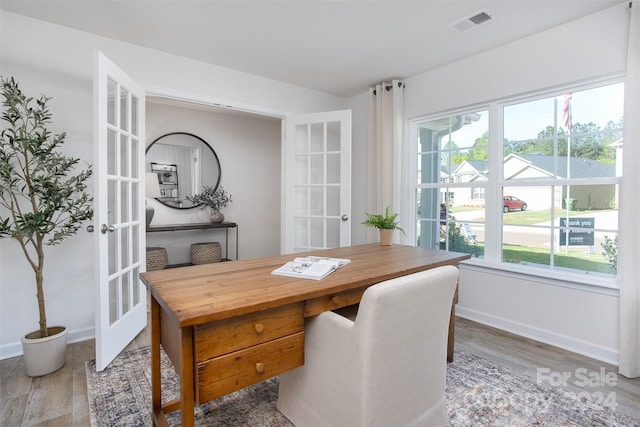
pixel 590 282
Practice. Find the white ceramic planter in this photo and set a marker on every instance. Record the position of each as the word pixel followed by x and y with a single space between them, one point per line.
pixel 386 237
pixel 45 355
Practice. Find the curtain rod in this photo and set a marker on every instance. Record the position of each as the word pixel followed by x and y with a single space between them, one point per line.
pixel 389 87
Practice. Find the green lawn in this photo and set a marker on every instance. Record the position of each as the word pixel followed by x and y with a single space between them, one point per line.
pixel 531 255
pixel 529 217
pixel 574 259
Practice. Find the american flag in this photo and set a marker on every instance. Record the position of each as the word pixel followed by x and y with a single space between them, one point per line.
pixel 566 113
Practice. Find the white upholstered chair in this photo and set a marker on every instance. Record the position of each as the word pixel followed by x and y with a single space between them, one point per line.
pixel 387 368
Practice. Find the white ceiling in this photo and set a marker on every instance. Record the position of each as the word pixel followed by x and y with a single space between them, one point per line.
pixel 339 47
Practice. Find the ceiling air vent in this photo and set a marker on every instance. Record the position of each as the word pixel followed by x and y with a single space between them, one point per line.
pixel 470 22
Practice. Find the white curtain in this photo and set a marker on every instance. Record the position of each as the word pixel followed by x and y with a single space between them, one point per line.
pixel 629 236
pixel 384 177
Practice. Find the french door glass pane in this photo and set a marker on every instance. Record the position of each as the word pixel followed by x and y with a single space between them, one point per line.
pixel 133 154
pixel 302 139
pixel 301 201
pixel 333 168
pixel 124 247
pixel 135 243
pixel 124 109
pixel 113 251
pixel 112 197
pixel 317 137
pixel 124 201
pixel 134 116
pixel 333 201
pixel 317 201
pixel 333 232
pixel 136 286
pixel 333 136
pixel 125 292
pixel 124 156
pixel 317 232
pixel 135 194
pixel 316 169
pixel 302 234
pixel 302 170
pixel 111 152
pixel 112 88
pixel 113 300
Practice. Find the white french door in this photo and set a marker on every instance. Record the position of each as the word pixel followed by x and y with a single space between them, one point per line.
pixel 317 181
pixel 119 227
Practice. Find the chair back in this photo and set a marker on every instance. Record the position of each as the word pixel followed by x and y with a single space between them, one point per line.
pixel 402 328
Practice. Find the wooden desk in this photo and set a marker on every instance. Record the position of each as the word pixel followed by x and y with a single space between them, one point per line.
pixel 226 326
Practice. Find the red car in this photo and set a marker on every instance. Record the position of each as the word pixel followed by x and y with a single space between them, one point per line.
pixel 511 203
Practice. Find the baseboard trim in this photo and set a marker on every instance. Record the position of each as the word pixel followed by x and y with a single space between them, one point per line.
pixel 15 348
pixel 604 354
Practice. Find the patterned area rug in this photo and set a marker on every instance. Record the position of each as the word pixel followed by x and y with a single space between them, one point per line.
pixel 479 393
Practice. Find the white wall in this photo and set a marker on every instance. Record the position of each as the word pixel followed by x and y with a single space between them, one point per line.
pixel 578 318
pixel 58 62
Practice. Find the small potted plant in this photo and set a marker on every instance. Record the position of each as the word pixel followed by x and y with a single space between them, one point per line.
pixel 215 198
pixel 386 223
pixel 43 204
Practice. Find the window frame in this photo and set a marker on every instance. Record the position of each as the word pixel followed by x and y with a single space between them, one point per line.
pixel 495 183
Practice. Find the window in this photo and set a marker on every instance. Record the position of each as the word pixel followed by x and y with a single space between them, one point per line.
pixel 552 193
pixel 452 172
pixel 566 168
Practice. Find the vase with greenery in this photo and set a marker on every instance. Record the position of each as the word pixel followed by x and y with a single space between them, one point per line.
pixel 386 223
pixel 213 197
pixel 42 202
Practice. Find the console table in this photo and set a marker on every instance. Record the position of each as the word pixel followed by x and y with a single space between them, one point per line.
pixel 200 226
pixel 228 325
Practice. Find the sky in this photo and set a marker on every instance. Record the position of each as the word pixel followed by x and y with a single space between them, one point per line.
pixel 526 120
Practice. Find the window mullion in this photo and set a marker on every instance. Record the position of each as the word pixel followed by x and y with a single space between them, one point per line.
pixel 493 195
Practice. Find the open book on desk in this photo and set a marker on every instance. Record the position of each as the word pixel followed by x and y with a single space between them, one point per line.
pixel 311 267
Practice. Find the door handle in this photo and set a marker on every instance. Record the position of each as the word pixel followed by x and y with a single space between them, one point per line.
pixel 104 228
pixel 344 217
pixel 90 228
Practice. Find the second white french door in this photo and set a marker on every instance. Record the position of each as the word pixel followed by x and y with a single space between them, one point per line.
pixel 317 181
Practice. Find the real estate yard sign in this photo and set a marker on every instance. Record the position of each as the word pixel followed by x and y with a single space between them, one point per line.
pixel 580 231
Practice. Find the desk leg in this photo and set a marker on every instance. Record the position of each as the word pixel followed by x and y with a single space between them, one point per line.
pixel 187 389
pixel 156 382
pixel 452 327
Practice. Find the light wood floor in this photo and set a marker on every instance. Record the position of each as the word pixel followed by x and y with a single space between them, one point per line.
pixel 60 399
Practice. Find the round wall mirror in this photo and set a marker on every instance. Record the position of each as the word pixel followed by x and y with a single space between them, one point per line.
pixel 183 163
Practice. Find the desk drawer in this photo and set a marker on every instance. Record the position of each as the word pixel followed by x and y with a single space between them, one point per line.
pixel 225 336
pixel 234 371
pixel 319 305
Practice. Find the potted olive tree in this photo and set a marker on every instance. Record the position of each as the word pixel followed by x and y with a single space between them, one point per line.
pixel 386 223
pixel 41 203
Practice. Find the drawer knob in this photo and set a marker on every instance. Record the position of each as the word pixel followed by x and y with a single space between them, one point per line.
pixel 260 367
pixel 335 300
pixel 259 327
